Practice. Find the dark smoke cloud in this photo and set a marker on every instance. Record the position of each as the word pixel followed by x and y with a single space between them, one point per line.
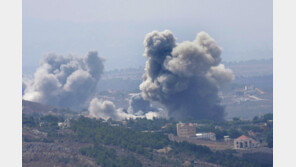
pixel 65 81
pixel 139 106
pixel 184 77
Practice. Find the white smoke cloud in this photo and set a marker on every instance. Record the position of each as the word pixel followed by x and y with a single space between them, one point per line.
pixel 107 110
pixel 65 81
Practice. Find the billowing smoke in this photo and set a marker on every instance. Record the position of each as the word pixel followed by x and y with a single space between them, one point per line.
pixel 26 80
pixel 24 86
pixel 107 110
pixel 139 106
pixel 65 81
pixel 184 77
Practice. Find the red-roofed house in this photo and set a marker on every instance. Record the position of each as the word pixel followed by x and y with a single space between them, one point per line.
pixel 244 142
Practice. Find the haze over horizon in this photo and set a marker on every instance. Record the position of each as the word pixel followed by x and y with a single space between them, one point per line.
pixel 116 29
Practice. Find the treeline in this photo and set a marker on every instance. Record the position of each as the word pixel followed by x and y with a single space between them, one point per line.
pixel 47 124
pixel 99 132
pixel 131 138
pixel 157 124
pixel 224 158
pixel 45 121
pixel 107 157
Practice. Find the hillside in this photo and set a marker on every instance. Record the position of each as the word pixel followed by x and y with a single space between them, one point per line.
pixel 29 107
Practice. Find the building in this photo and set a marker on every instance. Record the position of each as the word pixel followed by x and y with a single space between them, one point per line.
pixel 186 130
pixel 244 142
pixel 227 139
pixel 166 126
pixel 206 136
pixel 164 150
pixel 65 124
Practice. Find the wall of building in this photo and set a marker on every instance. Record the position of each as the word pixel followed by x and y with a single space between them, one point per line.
pixel 186 130
pixel 245 144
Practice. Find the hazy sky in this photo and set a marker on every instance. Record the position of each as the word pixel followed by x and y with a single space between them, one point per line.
pixel 116 28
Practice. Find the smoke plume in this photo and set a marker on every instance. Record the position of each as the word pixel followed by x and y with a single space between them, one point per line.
pixel 107 110
pixel 65 81
pixel 139 106
pixel 184 77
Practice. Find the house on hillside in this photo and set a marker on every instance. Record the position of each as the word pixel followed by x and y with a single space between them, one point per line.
pixel 244 142
pixel 65 124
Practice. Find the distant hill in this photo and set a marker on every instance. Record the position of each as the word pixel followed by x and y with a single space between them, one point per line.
pixel 245 72
pixel 38 109
pixel 247 68
pixel 29 107
pixel 251 68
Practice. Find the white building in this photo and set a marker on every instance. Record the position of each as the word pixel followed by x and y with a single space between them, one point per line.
pixel 206 136
pixel 65 124
pixel 244 142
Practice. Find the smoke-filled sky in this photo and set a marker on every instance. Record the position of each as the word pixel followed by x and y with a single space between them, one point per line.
pixel 183 77
pixel 116 28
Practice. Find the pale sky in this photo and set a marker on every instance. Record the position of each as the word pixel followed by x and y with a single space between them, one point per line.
pixel 116 28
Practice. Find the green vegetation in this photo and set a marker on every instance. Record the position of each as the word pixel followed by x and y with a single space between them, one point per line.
pixel 99 132
pixel 141 138
pixel 47 124
pixel 204 153
pixel 261 126
pixel 30 121
pixel 143 124
pixel 264 118
pixel 107 157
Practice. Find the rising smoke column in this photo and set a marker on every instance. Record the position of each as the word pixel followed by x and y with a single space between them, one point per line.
pixel 65 81
pixel 184 77
pixel 139 106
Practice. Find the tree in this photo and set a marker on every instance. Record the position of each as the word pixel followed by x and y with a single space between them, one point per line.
pixel 234 133
pixel 267 117
pixel 270 140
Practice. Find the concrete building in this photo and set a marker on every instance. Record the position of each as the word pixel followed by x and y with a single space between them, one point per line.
pixel 244 142
pixel 65 124
pixel 186 130
pixel 206 136
pixel 227 139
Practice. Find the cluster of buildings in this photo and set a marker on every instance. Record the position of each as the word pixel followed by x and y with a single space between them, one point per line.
pixel 189 131
pixel 248 93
